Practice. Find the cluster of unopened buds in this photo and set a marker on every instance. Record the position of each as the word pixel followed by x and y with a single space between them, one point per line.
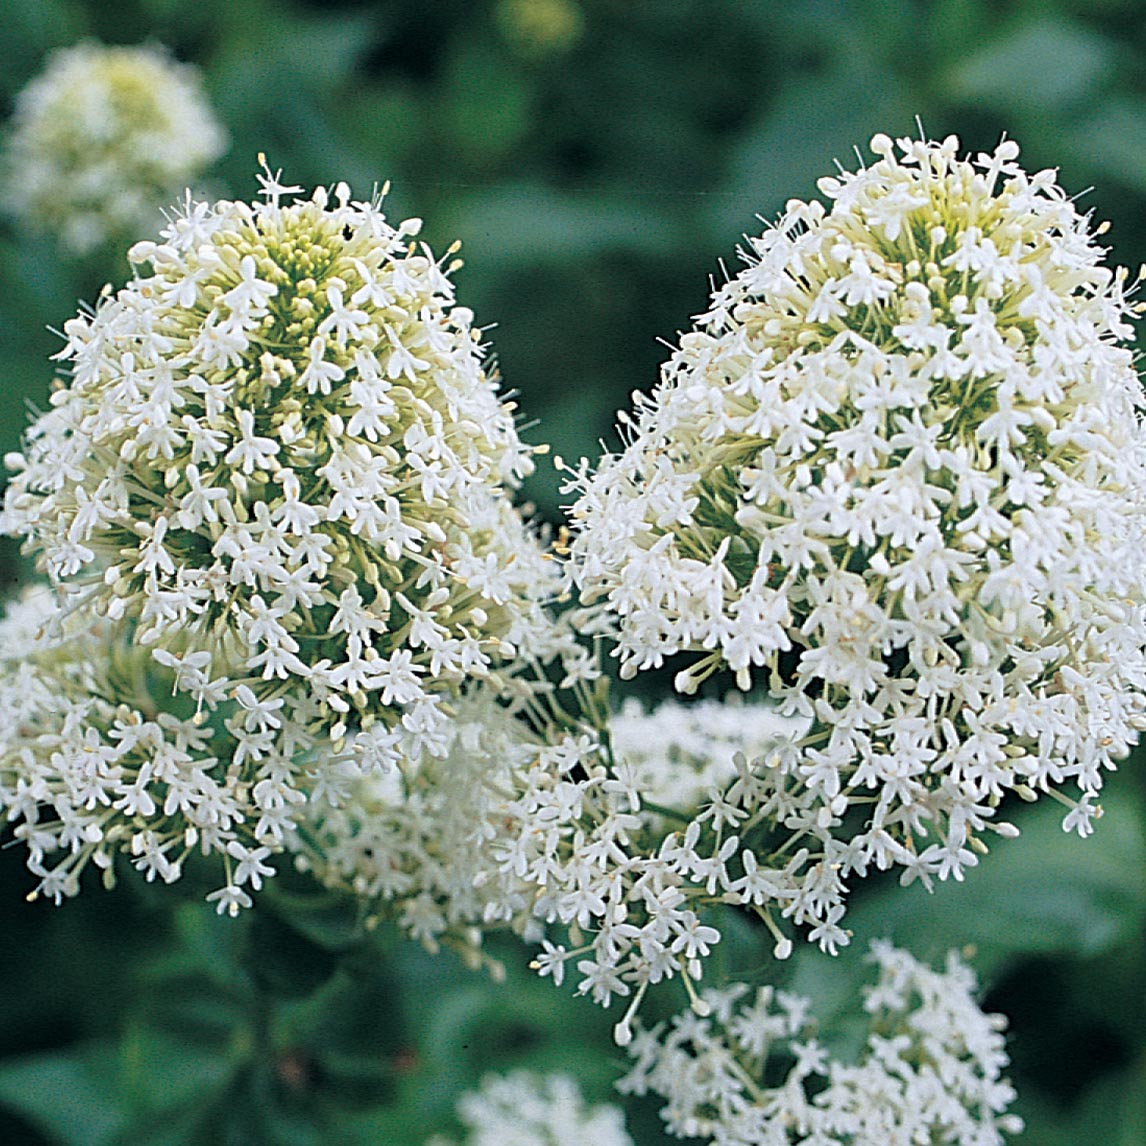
pixel 892 486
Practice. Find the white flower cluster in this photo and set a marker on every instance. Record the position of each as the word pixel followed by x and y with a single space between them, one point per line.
pixel 575 847
pixel 577 844
pixel 95 759
pixel 526 1109
pixel 897 478
pixel 543 832
pixel 632 877
pixel 754 1074
pixel 103 139
pixel 280 467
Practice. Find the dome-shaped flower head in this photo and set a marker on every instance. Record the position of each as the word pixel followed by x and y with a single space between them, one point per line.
pixel 103 139
pixel 279 458
pixel 897 477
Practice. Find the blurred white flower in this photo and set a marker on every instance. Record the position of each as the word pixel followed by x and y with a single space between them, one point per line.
pixel 527 1109
pixel 754 1073
pixel 103 139
pixel 413 845
pixel 677 754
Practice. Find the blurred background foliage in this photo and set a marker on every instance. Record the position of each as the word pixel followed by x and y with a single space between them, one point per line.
pixel 598 159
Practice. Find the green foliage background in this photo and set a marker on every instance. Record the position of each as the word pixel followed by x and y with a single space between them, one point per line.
pixel 596 176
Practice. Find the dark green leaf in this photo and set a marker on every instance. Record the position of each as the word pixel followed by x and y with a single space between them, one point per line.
pixel 286 962
pixel 1043 67
pixel 1111 140
pixel 72 1096
pixel 1048 891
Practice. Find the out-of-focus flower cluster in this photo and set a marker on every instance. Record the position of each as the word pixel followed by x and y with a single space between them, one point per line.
pixel 896 479
pixel 677 755
pixel 755 1074
pixel 105 138
pixel 538 29
pixel 280 467
pixel 525 1109
pixel 414 844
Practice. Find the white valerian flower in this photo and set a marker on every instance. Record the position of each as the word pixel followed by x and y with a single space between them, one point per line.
pixel 281 476
pixel 754 1073
pixel 557 836
pixel 108 753
pixel 575 853
pixel 527 1109
pixel 103 139
pixel 280 458
pixel 895 479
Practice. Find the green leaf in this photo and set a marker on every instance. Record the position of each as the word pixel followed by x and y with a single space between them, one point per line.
pixel 1045 893
pixel 1048 893
pixel 163 1071
pixel 320 51
pixel 330 919
pixel 287 963
pixel 487 104
pixel 388 124
pixel 813 122
pixel 1041 67
pixel 1110 1113
pixel 71 1096
pixel 1112 140
pixel 210 944
pixel 509 225
pixel 194 1008
pixel 1120 1103
pixel 31 30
